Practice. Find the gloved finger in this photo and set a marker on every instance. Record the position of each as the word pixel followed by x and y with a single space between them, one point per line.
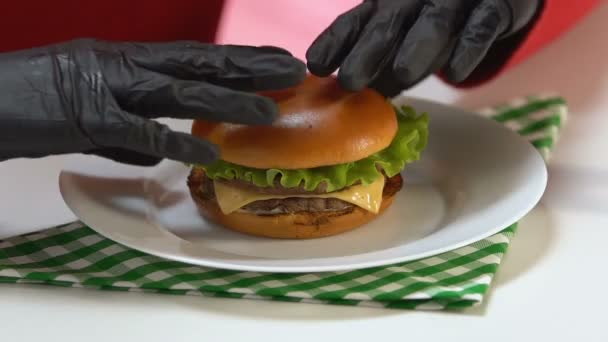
pixel 425 42
pixel 239 67
pixel 124 156
pixel 377 44
pixel 151 138
pixel 163 96
pixel 330 48
pixel 386 83
pixel 487 22
pixel 161 48
pixel 521 13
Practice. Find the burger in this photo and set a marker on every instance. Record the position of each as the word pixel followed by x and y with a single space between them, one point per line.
pixel 331 162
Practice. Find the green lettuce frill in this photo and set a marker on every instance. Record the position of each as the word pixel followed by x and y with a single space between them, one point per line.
pixel 406 147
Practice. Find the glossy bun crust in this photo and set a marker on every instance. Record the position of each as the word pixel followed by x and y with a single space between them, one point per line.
pixel 319 124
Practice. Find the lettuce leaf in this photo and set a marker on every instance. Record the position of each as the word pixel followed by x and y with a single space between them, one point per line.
pixel 406 147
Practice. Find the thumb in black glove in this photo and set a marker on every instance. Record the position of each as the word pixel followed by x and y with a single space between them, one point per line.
pixel 88 96
pixel 391 45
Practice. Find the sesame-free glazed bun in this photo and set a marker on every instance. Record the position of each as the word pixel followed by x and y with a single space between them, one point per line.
pixel 319 124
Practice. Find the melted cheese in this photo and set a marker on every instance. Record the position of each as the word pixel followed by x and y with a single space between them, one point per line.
pixel 368 197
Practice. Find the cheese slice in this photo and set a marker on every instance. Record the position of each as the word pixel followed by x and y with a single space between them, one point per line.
pixel 368 197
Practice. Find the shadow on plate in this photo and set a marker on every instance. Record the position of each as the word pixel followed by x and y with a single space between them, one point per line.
pixel 117 193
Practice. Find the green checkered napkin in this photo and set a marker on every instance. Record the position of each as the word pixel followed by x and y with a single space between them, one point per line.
pixel 75 256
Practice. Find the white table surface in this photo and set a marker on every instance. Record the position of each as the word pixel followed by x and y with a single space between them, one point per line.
pixel 552 285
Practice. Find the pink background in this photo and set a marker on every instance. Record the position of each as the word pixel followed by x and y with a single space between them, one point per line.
pixel 290 24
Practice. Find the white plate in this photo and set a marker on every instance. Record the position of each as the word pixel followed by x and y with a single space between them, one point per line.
pixel 476 177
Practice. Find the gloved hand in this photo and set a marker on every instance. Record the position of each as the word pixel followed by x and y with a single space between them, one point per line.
pixel 100 98
pixel 391 45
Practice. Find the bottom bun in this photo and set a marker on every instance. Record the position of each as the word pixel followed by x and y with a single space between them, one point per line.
pixel 305 225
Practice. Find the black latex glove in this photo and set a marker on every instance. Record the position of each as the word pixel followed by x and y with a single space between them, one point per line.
pixel 99 98
pixel 391 45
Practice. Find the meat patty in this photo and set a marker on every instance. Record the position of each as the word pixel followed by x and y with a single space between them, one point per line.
pixel 206 190
pixel 297 204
